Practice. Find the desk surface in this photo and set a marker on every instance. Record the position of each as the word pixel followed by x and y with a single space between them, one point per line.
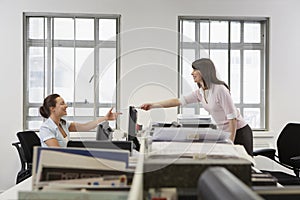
pixel 12 193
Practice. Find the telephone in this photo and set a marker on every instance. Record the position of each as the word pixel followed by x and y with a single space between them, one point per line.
pixel 104 131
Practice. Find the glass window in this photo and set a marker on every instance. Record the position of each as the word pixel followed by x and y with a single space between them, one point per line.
pixel 107 29
pixel 237 48
pixel 64 55
pixel 218 31
pixel 84 29
pixel 63 29
pixel 252 33
pixel 235 32
pixel 189 31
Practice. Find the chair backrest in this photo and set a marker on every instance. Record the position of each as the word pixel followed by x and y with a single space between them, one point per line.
pixel 288 143
pixel 28 140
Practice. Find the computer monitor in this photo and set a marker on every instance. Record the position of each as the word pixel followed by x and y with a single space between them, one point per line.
pixel 102 144
pixel 103 131
pixel 132 120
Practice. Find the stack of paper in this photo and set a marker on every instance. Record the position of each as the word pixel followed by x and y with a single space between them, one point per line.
pixel 203 150
pixel 188 134
pixel 193 119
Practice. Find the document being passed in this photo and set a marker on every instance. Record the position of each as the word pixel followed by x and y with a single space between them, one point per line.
pixel 188 134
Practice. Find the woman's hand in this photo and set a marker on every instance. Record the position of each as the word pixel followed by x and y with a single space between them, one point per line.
pixel 112 116
pixel 146 106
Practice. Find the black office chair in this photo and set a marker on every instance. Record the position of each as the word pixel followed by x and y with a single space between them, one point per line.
pixel 23 173
pixel 27 140
pixel 288 146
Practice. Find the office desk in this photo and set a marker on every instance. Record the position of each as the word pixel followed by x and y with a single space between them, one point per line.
pixel 180 164
pixel 134 193
pixel 12 193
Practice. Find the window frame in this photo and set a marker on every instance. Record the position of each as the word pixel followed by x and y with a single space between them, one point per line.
pixel 264 94
pixel 96 44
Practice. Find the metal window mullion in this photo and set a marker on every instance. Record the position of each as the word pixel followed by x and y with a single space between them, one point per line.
pixel 242 69
pixel 262 76
pixel 44 53
pixel 197 40
pixel 118 70
pixel 197 55
pixel 26 71
pixel 229 53
pixel 74 74
pixel 180 62
pixel 96 67
pixel 50 84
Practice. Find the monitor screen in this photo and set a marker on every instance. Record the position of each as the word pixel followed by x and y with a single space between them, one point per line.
pixel 132 127
pixel 132 121
pixel 124 145
pixel 103 131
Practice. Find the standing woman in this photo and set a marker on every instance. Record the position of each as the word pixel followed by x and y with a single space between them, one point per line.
pixel 215 97
pixel 55 131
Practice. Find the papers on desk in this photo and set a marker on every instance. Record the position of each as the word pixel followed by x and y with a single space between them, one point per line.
pixel 188 134
pixel 193 119
pixel 56 164
pixel 199 150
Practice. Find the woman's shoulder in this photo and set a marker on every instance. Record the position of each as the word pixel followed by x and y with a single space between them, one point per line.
pixel 49 124
pixel 220 88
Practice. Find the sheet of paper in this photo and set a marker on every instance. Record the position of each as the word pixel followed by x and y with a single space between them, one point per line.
pixel 215 150
pixel 188 134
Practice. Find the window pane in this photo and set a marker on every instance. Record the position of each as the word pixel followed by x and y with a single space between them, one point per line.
pixel 188 31
pixel 70 109
pixel 84 29
pixel 63 29
pixel 252 116
pixel 64 73
pixel 36 28
pixel 220 59
pixel 107 29
pixel 34 125
pixel 251 76
pixel 33 112
pixel 235 74
pixel 107 76
pixel 187 80
pixel 219 32
pixel 84 79
pixel 84 111
pixel 69 70
pixel 235 32
pixel 247 66
pixel 36 74
pixel 252 32
pixel 204 32
pixel 204 53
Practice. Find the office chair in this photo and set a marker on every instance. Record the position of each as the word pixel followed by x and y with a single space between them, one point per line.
pixel 27 140
pixel 288 154
pixel 23 173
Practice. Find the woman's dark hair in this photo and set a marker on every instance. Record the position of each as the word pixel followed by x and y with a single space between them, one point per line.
pixel 49 101
pixel 208 72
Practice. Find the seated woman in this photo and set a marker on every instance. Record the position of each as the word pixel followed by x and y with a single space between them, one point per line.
pixel 55 131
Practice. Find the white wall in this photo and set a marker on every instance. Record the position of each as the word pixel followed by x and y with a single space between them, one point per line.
pixel 148 48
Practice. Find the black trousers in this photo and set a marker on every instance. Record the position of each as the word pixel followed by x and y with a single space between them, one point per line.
pixel 244 136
